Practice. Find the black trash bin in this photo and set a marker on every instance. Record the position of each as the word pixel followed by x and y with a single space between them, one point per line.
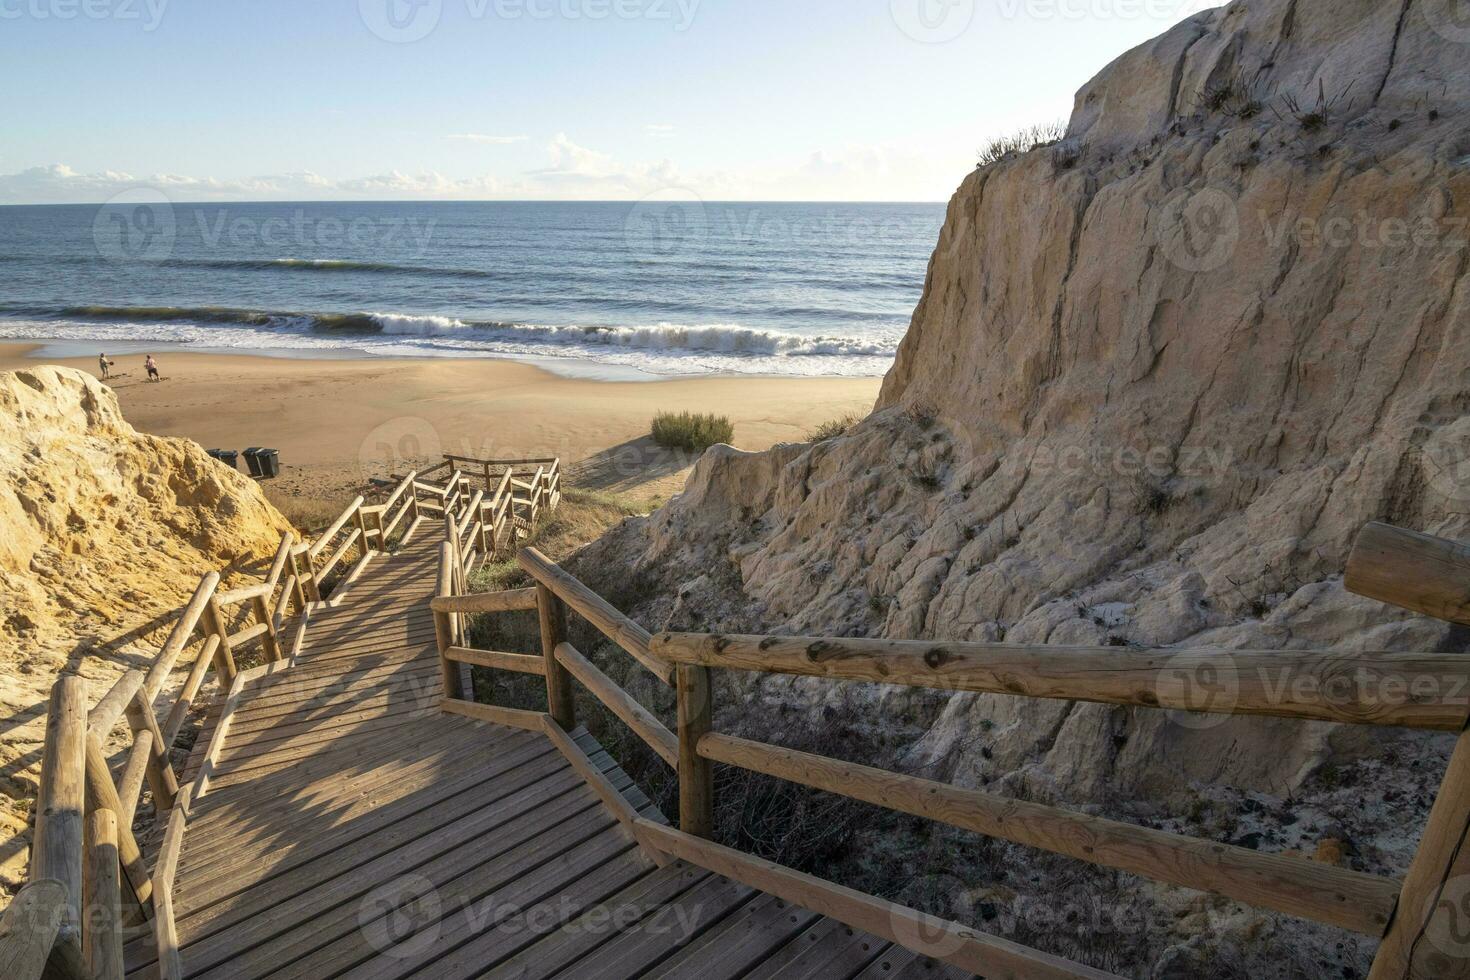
pixel 227 456
pixel 252 460
pixel 212 453
pixel 270 463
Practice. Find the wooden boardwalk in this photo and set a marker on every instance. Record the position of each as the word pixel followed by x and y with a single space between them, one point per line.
pixel 351 828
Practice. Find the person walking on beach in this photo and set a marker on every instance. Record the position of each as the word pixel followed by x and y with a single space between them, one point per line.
pixel 152 368
pixel 103 363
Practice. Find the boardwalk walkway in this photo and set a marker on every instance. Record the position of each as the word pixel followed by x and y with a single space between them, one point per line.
pixel 350 828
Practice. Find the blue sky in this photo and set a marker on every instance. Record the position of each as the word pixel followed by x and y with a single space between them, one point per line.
pixel 538 99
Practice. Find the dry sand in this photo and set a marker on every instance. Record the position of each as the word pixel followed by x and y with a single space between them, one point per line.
pixel 338 422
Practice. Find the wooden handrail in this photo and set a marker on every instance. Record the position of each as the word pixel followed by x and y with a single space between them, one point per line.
pixel 1414 571
pixel 1306 889
pixel 619 702
pixel 513 600
pixel 326 536
pixel 183 629
pixel 1414 690
pixel 597 611
pixel 234 597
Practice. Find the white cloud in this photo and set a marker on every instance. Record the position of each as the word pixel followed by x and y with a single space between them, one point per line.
pixel 659 129
pixel 573 172
pixel 483 138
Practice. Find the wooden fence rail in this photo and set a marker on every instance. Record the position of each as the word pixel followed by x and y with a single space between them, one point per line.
pixel 1414 690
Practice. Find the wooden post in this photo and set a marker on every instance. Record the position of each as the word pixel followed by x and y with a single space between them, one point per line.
pixel 263 614
pixel 444 628
pixel 29 929
pixel 553 615
pixel 102 940
pixel 362 540
pixel 224 657
pixel 56 851
pixel 160 771
pixel 696 774
pixel 102 795
pixel 1427 937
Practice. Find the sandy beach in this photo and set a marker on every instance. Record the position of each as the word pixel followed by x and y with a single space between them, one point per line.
pixel 340 422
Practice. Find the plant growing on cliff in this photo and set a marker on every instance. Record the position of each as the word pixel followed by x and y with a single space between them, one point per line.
pixel 835 427
pixel 1022 141
pixel 691 432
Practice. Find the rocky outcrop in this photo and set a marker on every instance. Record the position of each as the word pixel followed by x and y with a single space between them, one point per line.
pixel 1161 374
pixel 105 529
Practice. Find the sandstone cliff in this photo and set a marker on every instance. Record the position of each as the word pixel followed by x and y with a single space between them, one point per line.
pixel 1161 374
pixel 105 529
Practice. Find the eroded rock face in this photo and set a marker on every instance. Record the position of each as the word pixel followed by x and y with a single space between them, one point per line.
pixel 1161 374
pixel 104 528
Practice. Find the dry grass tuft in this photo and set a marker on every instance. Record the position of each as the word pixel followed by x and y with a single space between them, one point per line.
pixel 835 427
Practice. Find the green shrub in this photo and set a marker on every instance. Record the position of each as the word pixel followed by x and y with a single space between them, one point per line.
pixel 691 432
pixel 834 428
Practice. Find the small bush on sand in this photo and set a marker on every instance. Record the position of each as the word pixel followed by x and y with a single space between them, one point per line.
pixel 834 428
pixel 691 432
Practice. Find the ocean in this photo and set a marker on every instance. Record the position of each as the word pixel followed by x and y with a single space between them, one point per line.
pixel 668 286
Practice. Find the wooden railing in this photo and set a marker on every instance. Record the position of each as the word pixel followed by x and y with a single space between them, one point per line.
pixel 1428 691
pixel 76 781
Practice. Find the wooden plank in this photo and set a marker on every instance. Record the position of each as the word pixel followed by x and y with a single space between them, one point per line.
pixel 1417 690
pixel 1306 889
pixel 56 848
pixel 828 948
pixel 522 663
pixel 569 941
pixel 731 947
pixel 552 617
pixel 642 721
pixel 696 776
pixel 1414 571
pixel 990 956
pixel 526 875
pixel 511 600
pixel 597 611
pixel 496 715
pixel 29 929
pixel 1426 938
pixel 638 948
pixel 317 911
